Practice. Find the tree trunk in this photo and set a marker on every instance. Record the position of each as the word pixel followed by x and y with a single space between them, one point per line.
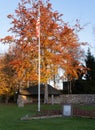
pixel 70 88
pixel 46 94
pixel 6 99
pixel 28 84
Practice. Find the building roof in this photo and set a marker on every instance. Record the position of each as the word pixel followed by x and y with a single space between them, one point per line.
pixel 33 90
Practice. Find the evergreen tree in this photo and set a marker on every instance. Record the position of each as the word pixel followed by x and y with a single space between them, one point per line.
pixel 90 64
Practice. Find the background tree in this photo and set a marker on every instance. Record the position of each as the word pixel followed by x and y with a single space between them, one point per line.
pixel 90 64
pixel 7 88
pixel 86 86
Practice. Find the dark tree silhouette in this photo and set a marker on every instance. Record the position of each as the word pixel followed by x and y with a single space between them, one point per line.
pixel 90 64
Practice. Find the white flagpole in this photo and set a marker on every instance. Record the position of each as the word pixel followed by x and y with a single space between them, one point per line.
pixel 39 59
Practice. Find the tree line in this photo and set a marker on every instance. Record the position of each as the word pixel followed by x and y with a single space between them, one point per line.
pixel 85 83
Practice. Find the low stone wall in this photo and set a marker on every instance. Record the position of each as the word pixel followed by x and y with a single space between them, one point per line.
pixel 76 99
pixel 62 99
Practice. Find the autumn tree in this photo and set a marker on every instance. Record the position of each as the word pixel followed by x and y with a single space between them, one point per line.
pixel 6 77
pixel 59 43
pixel 71 55
pixel 3 83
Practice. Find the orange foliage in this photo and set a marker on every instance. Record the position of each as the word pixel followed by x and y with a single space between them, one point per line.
pixel 59 43
pixel 6 76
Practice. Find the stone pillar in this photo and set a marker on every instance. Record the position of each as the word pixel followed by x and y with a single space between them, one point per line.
pixel 52 99
pixel 20 101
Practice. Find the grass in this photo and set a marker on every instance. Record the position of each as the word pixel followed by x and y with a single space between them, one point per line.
pixel 10 119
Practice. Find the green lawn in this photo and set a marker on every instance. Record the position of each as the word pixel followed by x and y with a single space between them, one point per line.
pixel 10 120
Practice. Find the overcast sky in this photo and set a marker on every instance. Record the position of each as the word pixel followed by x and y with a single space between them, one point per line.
pixel 84 10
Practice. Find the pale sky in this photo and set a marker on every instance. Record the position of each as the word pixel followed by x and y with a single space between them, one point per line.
pixel 84 10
